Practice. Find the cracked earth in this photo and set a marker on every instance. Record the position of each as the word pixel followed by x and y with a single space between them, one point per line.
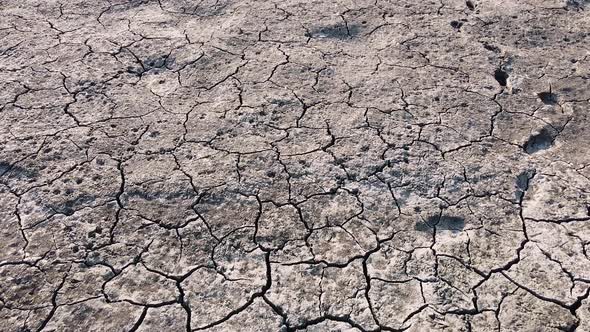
pixel 238 165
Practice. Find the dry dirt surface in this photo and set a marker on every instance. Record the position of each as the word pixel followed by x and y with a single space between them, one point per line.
pixel 294 165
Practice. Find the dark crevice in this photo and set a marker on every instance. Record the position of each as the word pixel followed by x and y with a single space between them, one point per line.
pixel 501 76
pixel 548 98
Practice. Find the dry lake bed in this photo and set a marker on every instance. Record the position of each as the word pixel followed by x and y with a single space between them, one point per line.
pixel 234 165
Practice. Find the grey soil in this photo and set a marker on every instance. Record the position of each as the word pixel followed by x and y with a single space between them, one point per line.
pixel 175 165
